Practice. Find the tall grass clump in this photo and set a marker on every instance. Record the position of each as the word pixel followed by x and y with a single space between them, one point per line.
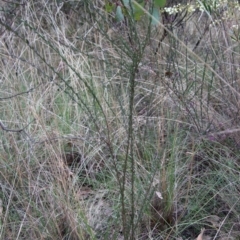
pixel 119 120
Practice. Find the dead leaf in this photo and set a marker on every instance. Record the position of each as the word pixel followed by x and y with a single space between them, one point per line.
pixel 83 193
pixel 214 220
pixel 200 236
pixel 159 195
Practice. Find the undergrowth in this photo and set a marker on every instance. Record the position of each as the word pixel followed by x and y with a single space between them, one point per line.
pixel 118 130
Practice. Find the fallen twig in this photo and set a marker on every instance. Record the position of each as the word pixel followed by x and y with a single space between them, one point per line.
pixel 4 128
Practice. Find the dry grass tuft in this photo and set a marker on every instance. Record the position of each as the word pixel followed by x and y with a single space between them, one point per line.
pixel 109 133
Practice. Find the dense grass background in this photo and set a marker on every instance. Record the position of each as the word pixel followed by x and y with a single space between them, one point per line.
pixel 119 130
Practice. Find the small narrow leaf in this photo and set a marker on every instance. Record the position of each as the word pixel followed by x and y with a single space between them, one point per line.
pixel 126 3
pixel 109 7
pixel 119 14
pixel 160 3
pixel 138 11
pixel 155 16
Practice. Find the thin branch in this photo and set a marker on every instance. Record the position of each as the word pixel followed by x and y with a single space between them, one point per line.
pixel 4 128
pixel 4 98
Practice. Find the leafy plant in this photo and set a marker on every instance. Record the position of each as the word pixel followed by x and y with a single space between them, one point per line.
pixel 136 9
